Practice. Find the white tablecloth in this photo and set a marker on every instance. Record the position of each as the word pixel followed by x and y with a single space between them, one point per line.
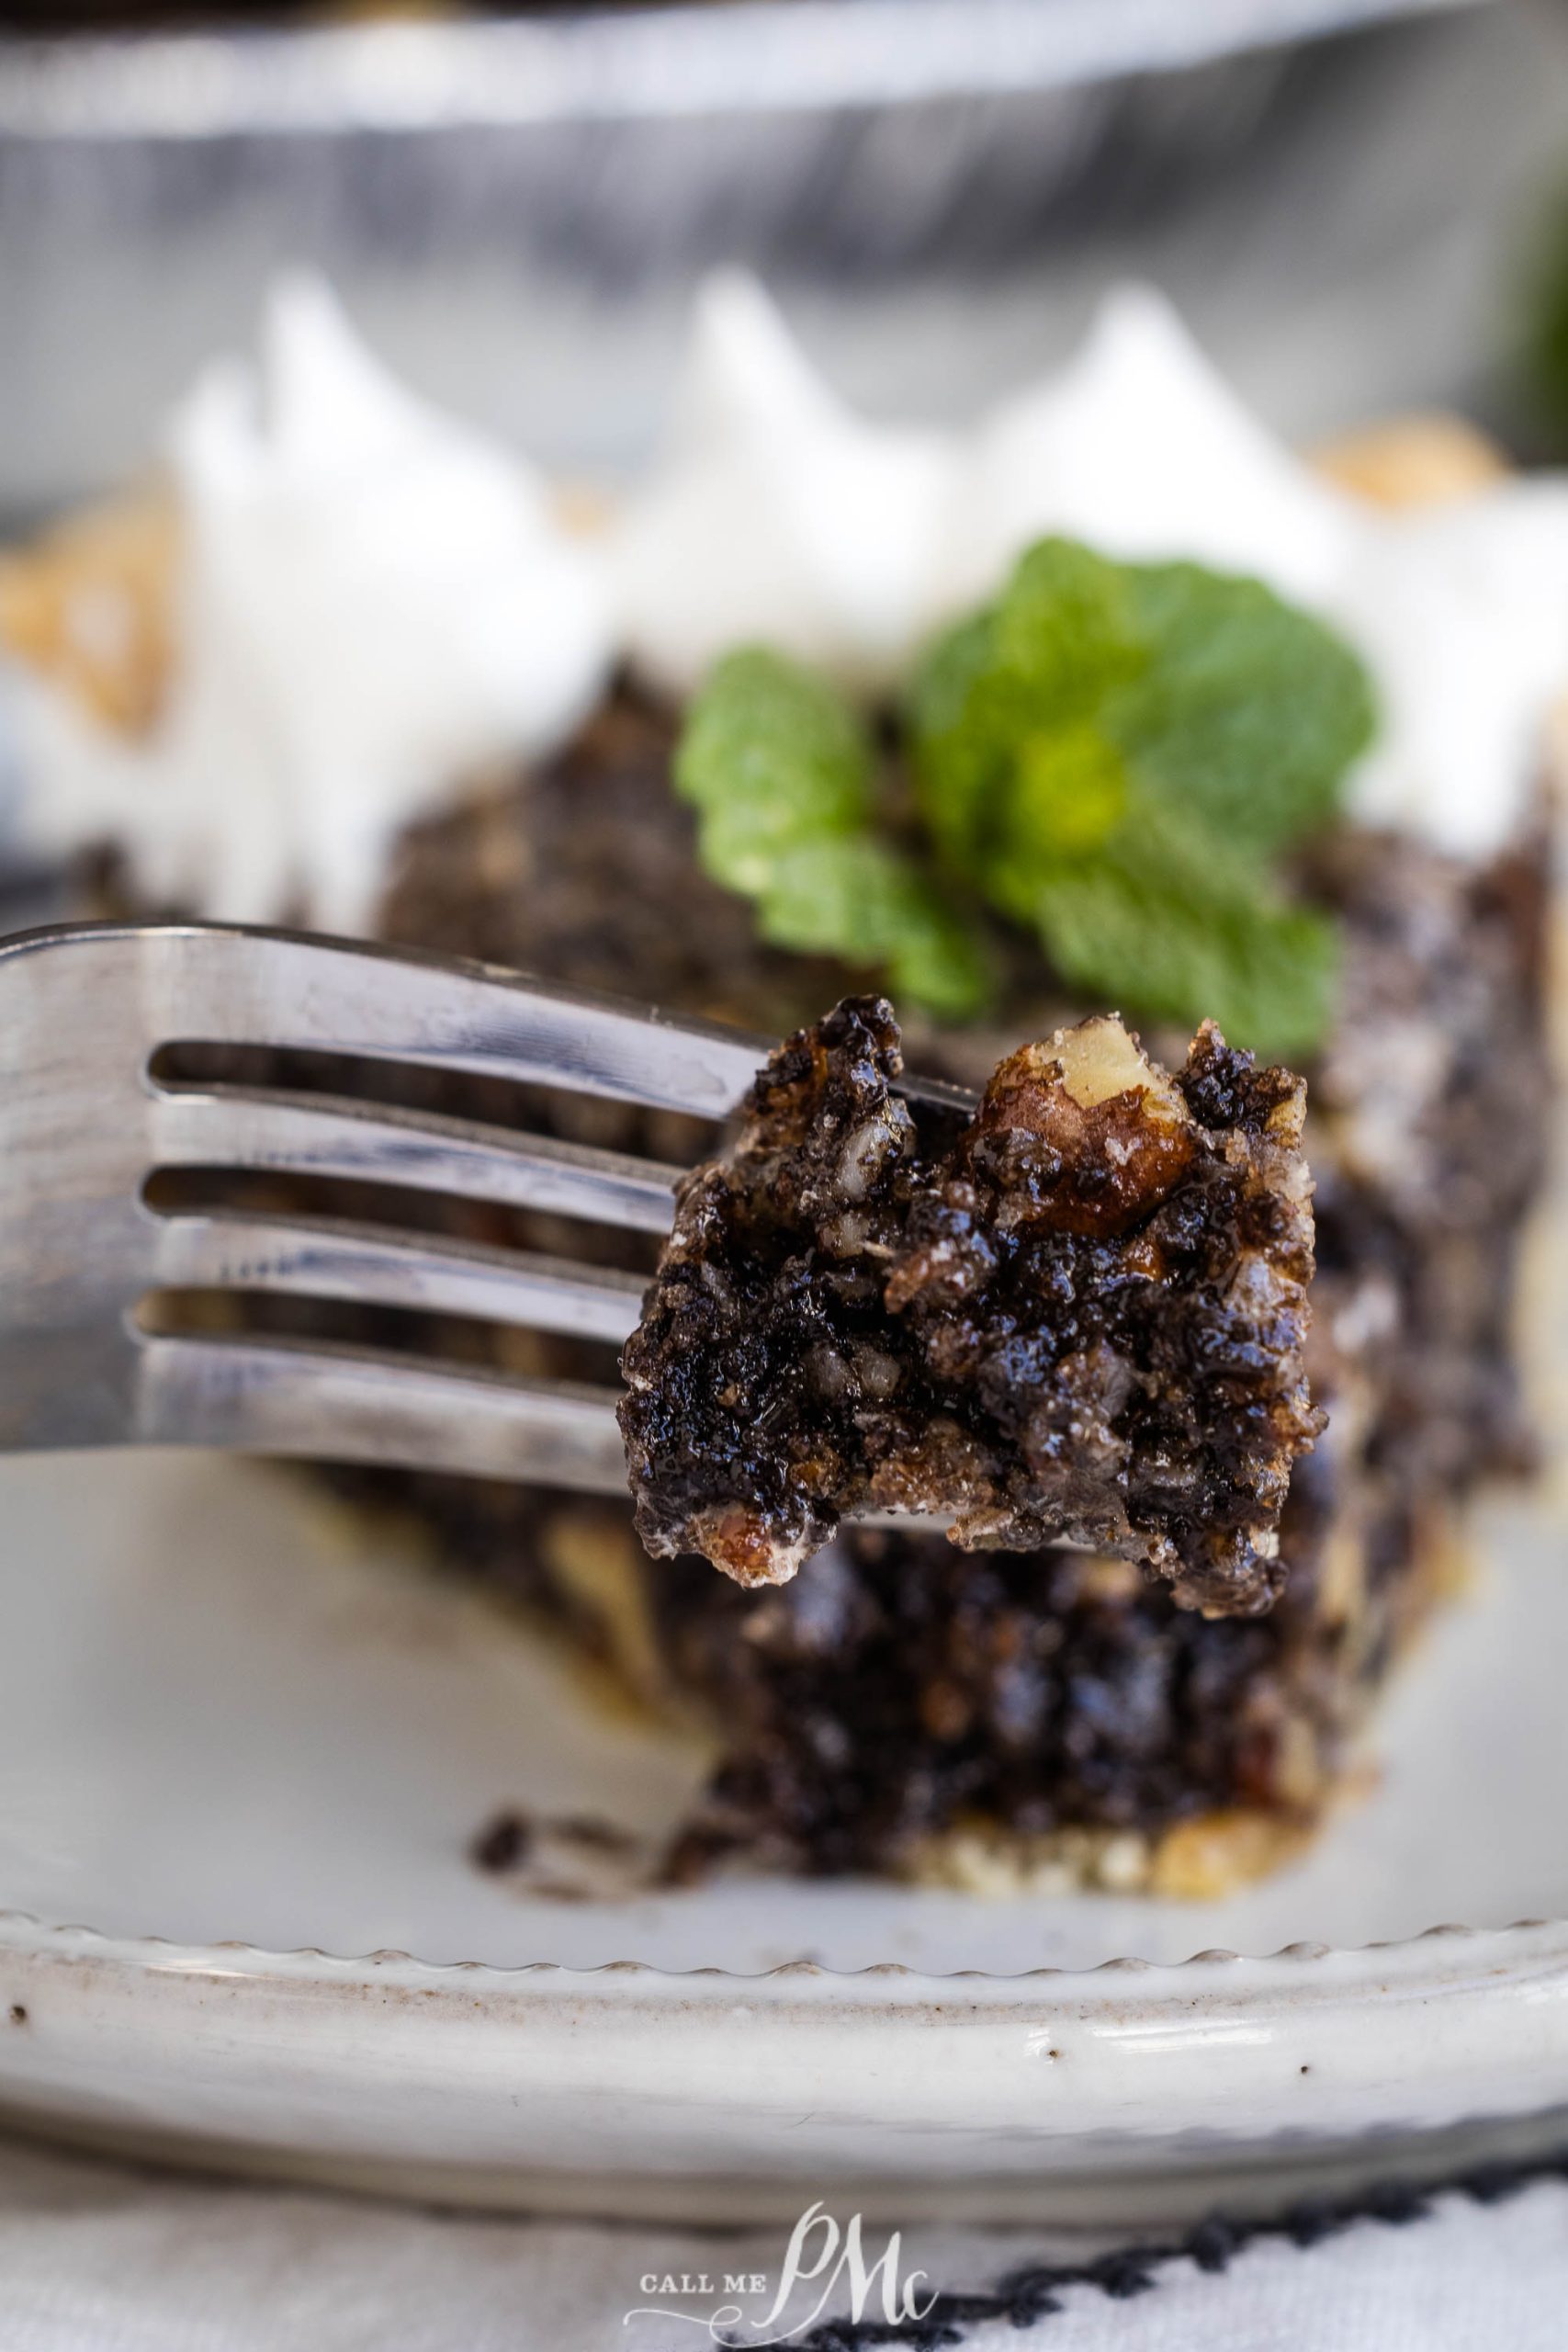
pixel 96 2258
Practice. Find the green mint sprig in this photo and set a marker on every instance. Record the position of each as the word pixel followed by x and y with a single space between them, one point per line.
pixel 1114 757
pixel 784 779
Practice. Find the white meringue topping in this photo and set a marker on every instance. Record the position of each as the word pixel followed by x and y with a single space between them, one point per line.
pixel 374 604
pixel 1138 446
pixel 776 515
pixel 1461 611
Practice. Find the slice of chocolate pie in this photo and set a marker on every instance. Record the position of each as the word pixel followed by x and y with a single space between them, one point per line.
pixel 1301 794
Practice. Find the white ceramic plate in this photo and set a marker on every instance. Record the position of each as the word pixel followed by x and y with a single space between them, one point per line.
pixel 229 1747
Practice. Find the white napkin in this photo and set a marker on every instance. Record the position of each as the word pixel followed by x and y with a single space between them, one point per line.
pixel 100 2257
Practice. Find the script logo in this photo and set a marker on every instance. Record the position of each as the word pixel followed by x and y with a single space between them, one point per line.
pixel 821 2258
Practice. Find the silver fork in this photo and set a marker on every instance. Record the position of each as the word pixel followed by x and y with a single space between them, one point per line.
pixel 85 1123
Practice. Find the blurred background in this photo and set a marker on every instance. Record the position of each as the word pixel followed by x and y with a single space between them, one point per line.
pixel 1351 200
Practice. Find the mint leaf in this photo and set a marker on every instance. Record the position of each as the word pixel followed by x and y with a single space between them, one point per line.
pixel 860 900
pixel 1211 948
pixel 1070 795
pixel 770 755
pixel 1035 667
pixel 1248 714
pixel 958 738
pixel 1113 754
pixel 782 778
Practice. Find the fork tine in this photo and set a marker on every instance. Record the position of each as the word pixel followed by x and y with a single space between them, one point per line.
pixel 329 1135
pixel 257 987
pixel 340 1258
pixel 288 988
pixel 300 1397
pixel 310 1400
